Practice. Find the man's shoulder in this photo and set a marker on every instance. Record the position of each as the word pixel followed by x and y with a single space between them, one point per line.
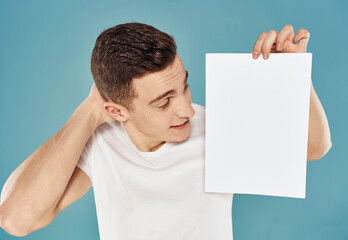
pixel 198 120
pixel 107 132
pixel 199 111
pixel 198 107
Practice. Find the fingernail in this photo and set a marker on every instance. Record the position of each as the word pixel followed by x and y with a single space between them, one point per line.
pixel 254 55
pixel 278 47
pixel 265 56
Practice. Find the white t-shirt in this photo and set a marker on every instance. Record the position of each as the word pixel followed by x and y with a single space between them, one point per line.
pixel 154 195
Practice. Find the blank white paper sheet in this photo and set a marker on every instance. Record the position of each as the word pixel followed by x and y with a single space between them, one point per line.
pixel 257 114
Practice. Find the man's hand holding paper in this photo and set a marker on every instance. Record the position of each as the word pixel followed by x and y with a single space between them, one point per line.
pixel 263 118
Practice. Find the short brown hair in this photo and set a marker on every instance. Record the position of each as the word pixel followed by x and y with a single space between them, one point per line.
pixel 125 52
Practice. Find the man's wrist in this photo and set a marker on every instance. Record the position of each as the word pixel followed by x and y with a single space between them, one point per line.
pixel 85 110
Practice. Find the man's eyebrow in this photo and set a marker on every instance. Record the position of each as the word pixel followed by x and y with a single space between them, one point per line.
pixel 173 91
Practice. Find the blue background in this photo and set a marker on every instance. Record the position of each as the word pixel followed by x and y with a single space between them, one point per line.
pixel 45 50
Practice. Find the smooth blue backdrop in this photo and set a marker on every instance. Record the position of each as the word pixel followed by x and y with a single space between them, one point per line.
pixel 45 50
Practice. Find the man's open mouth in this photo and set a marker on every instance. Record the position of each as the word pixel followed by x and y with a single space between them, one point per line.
pixel 181 124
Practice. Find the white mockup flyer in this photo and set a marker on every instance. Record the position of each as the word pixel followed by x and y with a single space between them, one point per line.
pixel 257 114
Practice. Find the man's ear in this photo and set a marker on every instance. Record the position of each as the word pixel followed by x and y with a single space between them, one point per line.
pixel 117 111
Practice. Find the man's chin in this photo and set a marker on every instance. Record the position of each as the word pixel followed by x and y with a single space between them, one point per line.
pixel 182 138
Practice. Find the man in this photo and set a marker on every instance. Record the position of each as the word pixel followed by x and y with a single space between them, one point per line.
pixel 139 141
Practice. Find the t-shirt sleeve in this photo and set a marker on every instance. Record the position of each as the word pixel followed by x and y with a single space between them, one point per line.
pixel 85 160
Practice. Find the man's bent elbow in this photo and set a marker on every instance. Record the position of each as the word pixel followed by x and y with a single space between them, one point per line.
pixel 18 225
pixel 9 227
pixel 319 154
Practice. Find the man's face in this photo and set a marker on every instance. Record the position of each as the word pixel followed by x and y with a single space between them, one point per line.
pixel 153 116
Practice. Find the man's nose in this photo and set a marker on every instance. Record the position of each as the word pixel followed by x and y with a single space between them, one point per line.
pixel 185 109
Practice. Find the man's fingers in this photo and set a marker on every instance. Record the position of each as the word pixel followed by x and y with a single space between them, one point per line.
pixel 257 46
pixel 286 33
pixel 303 36
pixel 284 41
pixel 268 43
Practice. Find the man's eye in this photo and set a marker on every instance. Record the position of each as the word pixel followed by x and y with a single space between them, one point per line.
pixel 165 105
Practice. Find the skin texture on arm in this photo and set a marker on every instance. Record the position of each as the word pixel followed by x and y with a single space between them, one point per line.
pixel 78 185
pixel 48 180
pixel 319 139
pixel 33 190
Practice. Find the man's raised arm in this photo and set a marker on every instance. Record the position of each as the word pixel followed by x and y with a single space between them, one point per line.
pixel 32 192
